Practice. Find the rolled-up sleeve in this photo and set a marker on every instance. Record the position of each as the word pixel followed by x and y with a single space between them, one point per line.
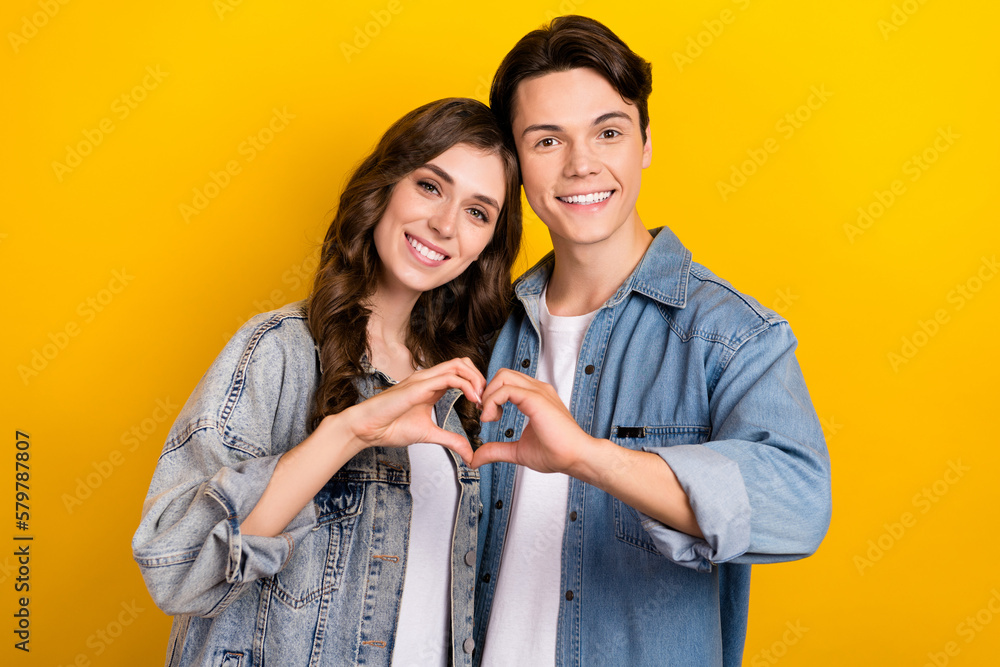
pixel 188 546
pixel 760 487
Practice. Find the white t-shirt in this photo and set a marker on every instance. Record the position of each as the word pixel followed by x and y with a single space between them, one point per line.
pixel 525 614
pixel 423 631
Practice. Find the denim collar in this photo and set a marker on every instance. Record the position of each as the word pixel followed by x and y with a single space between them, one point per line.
pixel 375 381
pixel 662 273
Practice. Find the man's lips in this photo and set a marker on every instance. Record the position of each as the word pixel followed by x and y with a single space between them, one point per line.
pixel 587 198
pixel 425 250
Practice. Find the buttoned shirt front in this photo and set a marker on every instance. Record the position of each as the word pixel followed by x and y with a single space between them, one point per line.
pixel 678 363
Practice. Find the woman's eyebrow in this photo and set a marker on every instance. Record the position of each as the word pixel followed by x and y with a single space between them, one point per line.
pixel 441 173
pixel 446 177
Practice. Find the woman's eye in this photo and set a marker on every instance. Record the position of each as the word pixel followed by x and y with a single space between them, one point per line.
pixel 547 142
pixel 610 134
pixel 476 213
pixel 429 187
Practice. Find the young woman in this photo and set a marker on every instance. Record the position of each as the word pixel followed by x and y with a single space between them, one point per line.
pixel 312 504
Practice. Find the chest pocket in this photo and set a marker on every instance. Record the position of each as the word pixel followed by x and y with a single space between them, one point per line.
pixel 628 525
pixel 317 565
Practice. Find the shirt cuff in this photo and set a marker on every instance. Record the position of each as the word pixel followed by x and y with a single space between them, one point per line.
pixel 718 496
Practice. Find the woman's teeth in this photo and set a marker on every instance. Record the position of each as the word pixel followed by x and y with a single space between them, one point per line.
pixel 592 198
pixel 424 250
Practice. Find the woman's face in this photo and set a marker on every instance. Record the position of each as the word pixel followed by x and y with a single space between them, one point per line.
pixel 439 219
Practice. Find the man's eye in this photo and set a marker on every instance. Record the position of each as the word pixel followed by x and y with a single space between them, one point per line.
pixel 610 134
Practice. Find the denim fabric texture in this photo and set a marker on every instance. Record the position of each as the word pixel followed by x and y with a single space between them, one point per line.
pixel 327 590
pixel 678 363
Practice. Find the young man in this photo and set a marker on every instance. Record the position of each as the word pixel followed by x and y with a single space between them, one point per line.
pixel 662 432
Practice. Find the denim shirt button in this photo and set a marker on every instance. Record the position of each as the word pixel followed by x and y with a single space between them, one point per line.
pixel 470 557
pixel 525 363
pixel 589 370
pixel 468 645
pixel 572 516
pixel 509 433
pixel 569 595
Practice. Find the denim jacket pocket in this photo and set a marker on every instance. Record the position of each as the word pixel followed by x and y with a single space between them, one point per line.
pixel 232 659
pixel 317 564
pixel 628 525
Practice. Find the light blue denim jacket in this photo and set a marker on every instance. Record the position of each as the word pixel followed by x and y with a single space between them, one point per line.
pixel 327 590
pixel 680 364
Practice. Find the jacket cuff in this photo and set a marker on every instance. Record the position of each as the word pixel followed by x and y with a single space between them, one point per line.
pixel 252 557
pixel 718 496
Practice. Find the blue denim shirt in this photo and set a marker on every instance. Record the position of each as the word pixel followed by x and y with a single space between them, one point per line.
pixel 680 364
pixel 327 590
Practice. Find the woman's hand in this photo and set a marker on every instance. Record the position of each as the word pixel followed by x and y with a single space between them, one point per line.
pixel 401 415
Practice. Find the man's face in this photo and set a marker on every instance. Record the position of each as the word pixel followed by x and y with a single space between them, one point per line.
pixel 581 154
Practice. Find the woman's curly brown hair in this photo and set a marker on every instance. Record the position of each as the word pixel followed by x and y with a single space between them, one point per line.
pixel 454 320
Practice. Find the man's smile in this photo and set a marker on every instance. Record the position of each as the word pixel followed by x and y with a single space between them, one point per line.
pixel 588 198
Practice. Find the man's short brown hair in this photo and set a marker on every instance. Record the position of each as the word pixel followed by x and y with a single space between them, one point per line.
pixel 570 42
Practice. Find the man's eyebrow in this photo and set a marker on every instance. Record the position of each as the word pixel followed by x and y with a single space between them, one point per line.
pixel 446 177
pixel 542 128
pixel 603 118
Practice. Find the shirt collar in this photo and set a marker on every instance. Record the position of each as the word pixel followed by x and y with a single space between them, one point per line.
pixel 662 273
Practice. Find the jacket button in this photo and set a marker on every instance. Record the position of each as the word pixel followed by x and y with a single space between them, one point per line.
pixel 572 516
pixel 470 557
pixel 486 577
pixel 589 370
pixel 525 363
pixel 509 433
pixel 468 645
pixel 499 505
pixel 569 595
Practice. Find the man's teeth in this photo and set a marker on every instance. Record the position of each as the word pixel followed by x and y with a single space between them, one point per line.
pixel 425 251
pixel 592 198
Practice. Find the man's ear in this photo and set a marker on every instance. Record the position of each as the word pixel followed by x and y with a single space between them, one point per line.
pixel 647 149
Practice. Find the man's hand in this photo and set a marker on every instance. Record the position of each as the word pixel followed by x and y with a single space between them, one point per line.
pixel 551 442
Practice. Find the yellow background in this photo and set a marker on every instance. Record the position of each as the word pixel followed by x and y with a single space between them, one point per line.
pixel 115 355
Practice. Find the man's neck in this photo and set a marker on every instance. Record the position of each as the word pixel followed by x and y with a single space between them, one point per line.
pixel 585 276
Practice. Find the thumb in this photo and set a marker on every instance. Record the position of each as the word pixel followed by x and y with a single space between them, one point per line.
pixel 490 452
pixel 452 441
